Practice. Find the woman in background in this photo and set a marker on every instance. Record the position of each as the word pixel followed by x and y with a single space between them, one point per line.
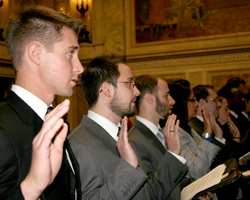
pixel 198 152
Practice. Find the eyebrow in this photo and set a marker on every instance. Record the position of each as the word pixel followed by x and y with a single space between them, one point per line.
pixel 73 47
pixel 130 79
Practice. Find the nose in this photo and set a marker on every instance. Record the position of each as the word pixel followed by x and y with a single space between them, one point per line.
pixel 219 104
pixel 171 100
pixel 78 68
pixel 136 92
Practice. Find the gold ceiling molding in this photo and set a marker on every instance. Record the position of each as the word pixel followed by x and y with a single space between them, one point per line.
pixel 164 62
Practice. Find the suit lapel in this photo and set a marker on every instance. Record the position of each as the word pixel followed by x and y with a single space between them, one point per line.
pixel 24 111
pixel 148 133
pixel 98 132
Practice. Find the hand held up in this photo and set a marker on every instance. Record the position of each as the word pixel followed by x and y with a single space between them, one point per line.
pixel 171 132
pixel 124 147
pixel 46 156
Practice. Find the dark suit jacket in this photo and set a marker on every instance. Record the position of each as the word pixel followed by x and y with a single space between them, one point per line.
pixel 18 126
pixel 165 167
pixel 104 174
pixel 243 125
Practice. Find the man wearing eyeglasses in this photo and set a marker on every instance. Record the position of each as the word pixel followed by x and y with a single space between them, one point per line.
pixel 109 167
pixel 208 111
pixel 205 124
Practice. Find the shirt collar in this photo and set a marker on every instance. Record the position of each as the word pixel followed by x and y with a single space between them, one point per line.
pixel 245 114
pixel 200 118
pixel 36 104
pixel 234 114
pixel 148 124
pixel 109 126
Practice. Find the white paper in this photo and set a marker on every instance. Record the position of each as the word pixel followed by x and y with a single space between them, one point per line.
pixel 208 180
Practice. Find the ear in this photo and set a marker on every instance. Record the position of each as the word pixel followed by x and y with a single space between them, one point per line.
pixel 107 89
pixel 150 98
pixel 34 53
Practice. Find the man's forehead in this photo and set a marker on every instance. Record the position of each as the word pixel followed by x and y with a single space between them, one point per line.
pixel 125 72
pixel 162 85
pixel 211 92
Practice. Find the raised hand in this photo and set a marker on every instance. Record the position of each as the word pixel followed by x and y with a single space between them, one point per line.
pixel 234 130
pixel 172 137
pixel 215 127
pixel 124 147
pixel 207 123
pixel 46 156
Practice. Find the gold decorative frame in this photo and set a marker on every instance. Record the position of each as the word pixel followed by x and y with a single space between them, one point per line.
pixel 180 47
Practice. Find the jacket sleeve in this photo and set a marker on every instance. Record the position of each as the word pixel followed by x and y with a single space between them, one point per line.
pixel 198 152
pixel 9 188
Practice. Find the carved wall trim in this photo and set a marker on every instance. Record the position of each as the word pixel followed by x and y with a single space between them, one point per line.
pixel 190 61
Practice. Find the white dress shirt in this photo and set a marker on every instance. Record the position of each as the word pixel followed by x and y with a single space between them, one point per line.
pixel 152 127
pixel 36 104
pixel 107 125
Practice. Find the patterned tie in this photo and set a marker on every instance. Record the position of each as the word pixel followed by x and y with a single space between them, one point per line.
pixel 160 135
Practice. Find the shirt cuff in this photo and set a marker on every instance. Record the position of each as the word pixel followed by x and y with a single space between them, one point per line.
pixel 181 159
pixel 223 141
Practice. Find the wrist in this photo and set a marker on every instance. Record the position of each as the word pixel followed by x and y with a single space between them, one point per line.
pixel 29 193
pixel 206 135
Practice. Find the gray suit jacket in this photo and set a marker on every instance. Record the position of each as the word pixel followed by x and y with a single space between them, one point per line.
pixel 104 174
pixel 198 152
pixel 165 167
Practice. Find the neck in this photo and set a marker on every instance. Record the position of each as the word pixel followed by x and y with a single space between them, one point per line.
pixel 149 115
pixel 108 114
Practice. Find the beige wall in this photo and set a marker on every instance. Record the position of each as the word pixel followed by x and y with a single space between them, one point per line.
pixel 201 61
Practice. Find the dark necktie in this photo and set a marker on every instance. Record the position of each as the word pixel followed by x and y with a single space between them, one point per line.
pixel 49 109
pixel 118 132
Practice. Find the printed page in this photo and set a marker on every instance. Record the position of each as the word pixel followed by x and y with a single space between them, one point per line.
pixel 208 180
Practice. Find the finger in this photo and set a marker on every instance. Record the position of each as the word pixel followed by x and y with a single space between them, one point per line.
pixel 212 119
pixel 172 123
pixel 59 112
pixel 49 135
pixel 61 136
pixel 123 128
pixel 176 127
pixel 168 122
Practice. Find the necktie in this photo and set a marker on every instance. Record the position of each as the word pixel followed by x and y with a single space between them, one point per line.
pixel 161 137
pixel 118 132
pixel 49 109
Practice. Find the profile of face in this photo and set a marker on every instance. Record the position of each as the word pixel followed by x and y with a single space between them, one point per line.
pixel 213 104
pixel 237 102
pixel 164 101
pixel 123 101
pixel 61 66
pixel 224 112
pixel 192 105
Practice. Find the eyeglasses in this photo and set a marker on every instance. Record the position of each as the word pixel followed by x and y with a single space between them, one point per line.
pixel 192 100
pixel 131 84
pixel 215 100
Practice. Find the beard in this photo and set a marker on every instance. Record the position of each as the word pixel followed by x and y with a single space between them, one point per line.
pixel 161 108
pixel 118 109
